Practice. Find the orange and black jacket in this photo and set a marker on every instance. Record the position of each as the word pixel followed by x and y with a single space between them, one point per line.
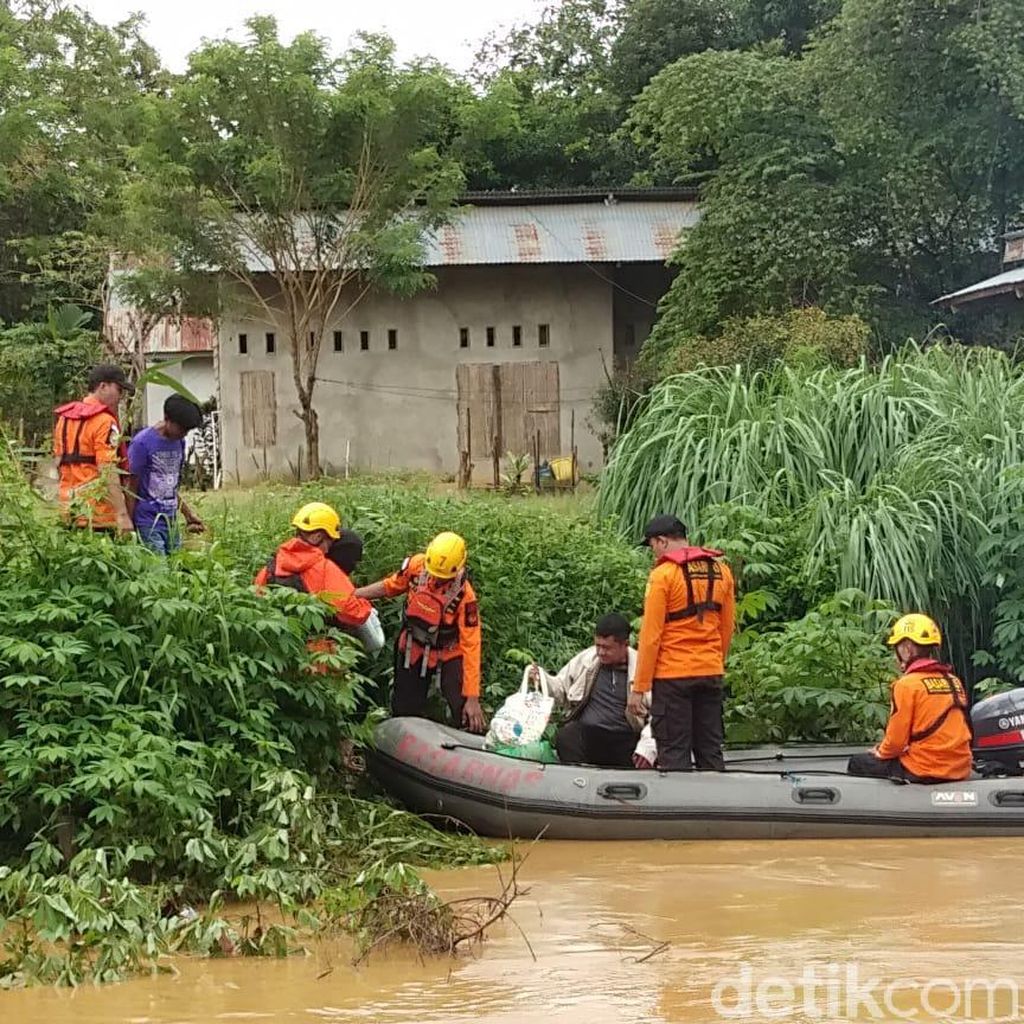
pixel 87 440
pixel 457 616
pixel 689 615
pixel 928 726
pixel 303 567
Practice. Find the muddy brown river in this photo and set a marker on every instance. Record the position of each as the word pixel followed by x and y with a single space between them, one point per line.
pixel 921 930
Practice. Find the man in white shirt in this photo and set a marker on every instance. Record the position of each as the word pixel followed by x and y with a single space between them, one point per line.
pixel 594 686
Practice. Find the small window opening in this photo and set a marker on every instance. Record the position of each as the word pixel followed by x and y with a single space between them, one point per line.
pixel 364 341
pixel 338 341
pixel 543 335
pixel 392 339
pixel 517 336
pixel 463 337
pixel 243 344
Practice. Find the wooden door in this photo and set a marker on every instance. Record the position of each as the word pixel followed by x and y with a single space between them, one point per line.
pixel 259 408
pixel 510 401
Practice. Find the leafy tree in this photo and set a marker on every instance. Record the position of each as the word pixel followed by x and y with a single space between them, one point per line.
pixel 303 178
pixel 41 365
pixel 558 112
pixel 790 21
pixel 782 218
pixel 868 177
pixel 69 105
pixel 655 33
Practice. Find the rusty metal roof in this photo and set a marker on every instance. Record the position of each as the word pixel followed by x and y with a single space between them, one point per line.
pixel 122 325
pixel 570 232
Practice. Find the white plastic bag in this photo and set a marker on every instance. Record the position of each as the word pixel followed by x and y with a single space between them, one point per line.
pixel 371 633
pixel 523 717
pixel 646 753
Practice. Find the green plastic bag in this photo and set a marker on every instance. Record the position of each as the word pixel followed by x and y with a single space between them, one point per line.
pixel 540 751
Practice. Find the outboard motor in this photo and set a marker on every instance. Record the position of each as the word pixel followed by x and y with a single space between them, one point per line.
pixel 999 733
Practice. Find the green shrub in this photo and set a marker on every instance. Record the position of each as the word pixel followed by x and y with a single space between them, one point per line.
pixel 42 365
pixel 162 739
pixel 807 337
pixel 544 573
pixel 824 677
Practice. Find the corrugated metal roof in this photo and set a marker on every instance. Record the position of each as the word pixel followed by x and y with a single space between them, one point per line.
pixel 1008 281
pixel 645 231
pixel 578 194
pixel 122 325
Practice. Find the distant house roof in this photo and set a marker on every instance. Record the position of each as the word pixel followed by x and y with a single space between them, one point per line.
pixel 596 227
pixel 1008 282
pixel 587 194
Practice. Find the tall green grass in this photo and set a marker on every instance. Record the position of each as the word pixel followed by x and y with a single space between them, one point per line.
pixel 893 473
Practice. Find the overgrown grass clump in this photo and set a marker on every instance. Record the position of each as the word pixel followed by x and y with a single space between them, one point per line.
pixel 888 479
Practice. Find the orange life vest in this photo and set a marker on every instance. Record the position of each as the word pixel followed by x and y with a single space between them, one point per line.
pixel 705 568
pixel 429 620
pixel 71 446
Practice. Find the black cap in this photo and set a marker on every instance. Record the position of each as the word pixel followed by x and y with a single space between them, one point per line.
pixel 109 373
pixel 663 526
pixel 178 409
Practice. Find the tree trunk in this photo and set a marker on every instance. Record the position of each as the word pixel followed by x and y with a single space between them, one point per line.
pixel 311 423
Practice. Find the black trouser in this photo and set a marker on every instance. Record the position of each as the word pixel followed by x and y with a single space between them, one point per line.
pixel 686 717
pixel 411 692
pixel 867 766
pixel 577 743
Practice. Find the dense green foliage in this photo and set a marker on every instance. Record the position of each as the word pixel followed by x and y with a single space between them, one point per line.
pixel 70 92
pixel 42 364
pixel 163 739
pixel 543 577
pixel 892 477
pixel 869 174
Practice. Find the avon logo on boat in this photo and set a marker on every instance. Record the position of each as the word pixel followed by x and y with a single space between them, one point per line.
pixel 950 796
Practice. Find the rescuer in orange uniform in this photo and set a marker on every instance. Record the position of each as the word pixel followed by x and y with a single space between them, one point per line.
pixel 440 633
pixel 689 614
pixel 89 452
pixel 928 738
pixel 302 563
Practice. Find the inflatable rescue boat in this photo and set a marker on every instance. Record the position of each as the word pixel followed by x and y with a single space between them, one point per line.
pixel 765 793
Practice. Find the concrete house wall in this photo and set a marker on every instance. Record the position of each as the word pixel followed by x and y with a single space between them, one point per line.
pixel 398 407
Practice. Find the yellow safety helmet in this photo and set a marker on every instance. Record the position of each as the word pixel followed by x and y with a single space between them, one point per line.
pixel 918 628
pixel 446 556
pixel 318 516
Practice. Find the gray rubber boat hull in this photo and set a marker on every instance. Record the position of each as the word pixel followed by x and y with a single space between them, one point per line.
pixel 767 793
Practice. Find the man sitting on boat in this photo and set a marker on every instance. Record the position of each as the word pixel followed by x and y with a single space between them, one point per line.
pixel 594 687
pixel 928 738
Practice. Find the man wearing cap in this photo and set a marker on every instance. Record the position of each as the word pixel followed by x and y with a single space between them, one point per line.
pixel 156 457
pixel 928 738
pixel 689 614
pixel 87 447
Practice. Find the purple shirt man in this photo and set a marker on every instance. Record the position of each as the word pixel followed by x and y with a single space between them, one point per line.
pixel 156 457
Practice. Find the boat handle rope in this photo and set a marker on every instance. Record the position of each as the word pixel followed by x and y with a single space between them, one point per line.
pixel 783 773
